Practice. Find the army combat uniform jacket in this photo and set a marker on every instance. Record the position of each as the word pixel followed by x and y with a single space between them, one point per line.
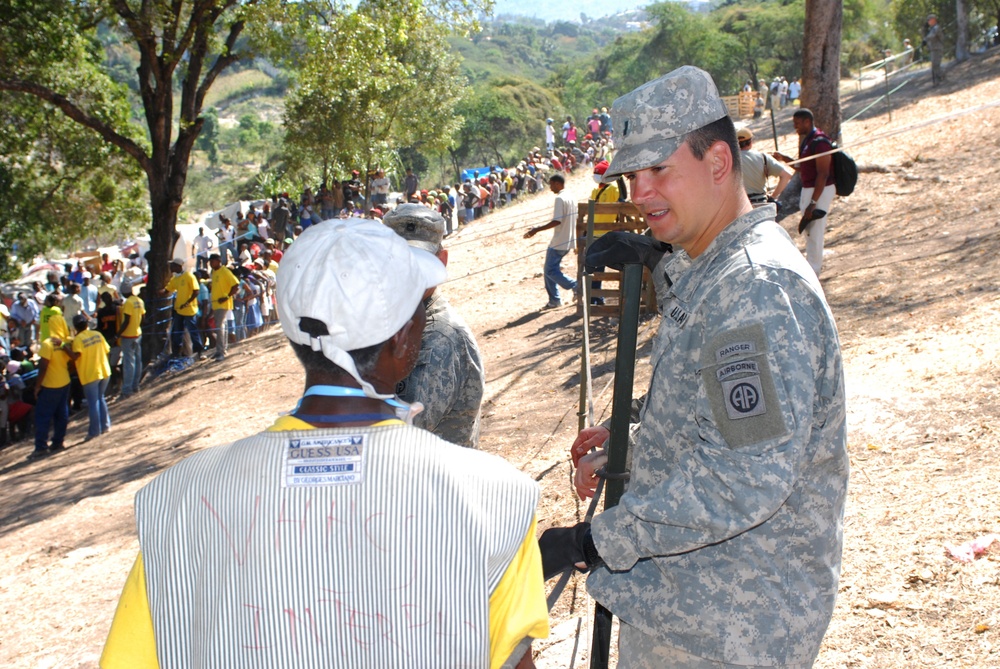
pixel 448 378
pixel 728 542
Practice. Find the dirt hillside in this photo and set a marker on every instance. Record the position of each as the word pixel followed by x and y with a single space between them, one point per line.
pixel 912 276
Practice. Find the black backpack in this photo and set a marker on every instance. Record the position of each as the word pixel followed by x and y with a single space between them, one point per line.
pixel 845 170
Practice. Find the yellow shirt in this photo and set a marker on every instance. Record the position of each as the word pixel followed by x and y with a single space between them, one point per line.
pixel 517 605
pixel 184 286
pixel 223 282
pixel 135 310
pixel 92 365
pixel 57 371
pixel 609 194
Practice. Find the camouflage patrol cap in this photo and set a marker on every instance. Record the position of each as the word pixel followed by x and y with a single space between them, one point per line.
pixel 654 118
pixel 419 225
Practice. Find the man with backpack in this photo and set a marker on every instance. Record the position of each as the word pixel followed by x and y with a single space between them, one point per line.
pixel 818 184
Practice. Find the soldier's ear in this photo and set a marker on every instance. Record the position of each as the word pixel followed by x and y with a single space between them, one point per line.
pixel 442 255
pixel 722 161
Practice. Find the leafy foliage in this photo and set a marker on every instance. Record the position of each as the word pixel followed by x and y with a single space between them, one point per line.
pixel 375 79
pixel 503 119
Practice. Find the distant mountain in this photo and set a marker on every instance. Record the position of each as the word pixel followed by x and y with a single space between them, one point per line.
pixel 562 10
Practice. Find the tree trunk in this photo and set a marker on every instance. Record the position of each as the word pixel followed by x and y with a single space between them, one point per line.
pixel 962 30
pixel 456 164
pixel 162 237
pixel 821 63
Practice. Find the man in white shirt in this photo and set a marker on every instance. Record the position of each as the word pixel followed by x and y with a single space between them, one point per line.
pixel 200 248
pixel 380 189
pixel 564 221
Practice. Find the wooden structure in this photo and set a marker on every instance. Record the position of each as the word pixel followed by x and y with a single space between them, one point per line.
pixel 627 217
pixel 741 105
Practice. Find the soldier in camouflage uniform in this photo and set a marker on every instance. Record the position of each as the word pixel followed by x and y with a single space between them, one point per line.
pixel 725 549
pixel 448 379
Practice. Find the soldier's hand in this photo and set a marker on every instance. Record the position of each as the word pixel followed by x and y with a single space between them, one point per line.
pixel 589 439
pixel 617 249
pixel 586 479
pixel 566 547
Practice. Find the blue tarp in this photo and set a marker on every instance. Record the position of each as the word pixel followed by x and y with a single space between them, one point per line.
pixel 467 175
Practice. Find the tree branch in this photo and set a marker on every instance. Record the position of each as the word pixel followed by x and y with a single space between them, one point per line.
pixel 62 103
pixel 225 59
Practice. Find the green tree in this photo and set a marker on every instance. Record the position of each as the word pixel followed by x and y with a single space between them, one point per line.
pixel 59 184
pixel 502 119
pixel 46 51
pixel 372 80
pixel 769 37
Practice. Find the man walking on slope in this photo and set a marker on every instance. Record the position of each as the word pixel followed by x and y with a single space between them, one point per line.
pixel 563 239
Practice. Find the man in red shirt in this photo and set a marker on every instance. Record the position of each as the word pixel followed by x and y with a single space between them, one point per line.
pixel 818 187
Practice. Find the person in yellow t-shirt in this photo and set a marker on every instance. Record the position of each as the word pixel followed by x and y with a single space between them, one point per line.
pixel 224 286
pixel 90 354
pixel 604 193
pixel 130 339
pixel 448 578
pixel 184 286
pixel 51 397
pixel 50 321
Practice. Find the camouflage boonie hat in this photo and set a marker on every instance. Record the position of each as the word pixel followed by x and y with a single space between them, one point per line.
pixel 419 225
pixel 652 120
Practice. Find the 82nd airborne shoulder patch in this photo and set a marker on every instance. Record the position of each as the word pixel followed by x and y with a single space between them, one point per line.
pixel 740 387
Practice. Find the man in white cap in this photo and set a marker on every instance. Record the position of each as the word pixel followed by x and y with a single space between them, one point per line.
pixel 725 549
pixel 341 536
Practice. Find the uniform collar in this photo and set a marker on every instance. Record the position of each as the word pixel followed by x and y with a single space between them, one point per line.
pixel 685 273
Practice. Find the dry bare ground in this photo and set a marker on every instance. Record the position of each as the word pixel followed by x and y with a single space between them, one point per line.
pixel 912 279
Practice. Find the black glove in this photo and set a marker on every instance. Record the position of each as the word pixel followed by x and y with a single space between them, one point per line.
pixel 804 223
pixel 563 547
pixel 617 249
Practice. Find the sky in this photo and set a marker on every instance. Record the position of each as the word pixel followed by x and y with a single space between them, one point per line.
pixel 556 10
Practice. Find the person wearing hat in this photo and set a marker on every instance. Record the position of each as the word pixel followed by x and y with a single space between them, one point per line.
pixel 725 549
pixel 550 135
pixel 757 167
pixel 130 339
pixel 184 287
pixel 934 41
pixel 563 226
pixel 341 535
pixel 89 352
pixel 607 193
pixel 448 379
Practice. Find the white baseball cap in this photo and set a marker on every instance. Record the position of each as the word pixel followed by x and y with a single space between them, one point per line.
pixel 360 279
